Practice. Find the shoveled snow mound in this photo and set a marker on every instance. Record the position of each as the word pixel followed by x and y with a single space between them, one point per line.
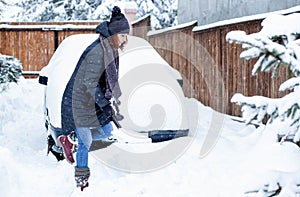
pixel 241 159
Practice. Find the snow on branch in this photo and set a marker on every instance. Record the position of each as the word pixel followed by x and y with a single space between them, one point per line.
pixel 255 108
pixel 271 51
pixel 290 84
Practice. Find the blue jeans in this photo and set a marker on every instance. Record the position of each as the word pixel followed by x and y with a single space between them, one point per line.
pixel 85 138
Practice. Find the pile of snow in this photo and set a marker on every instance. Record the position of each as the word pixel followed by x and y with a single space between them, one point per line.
pixel 145 78
pixel 242 158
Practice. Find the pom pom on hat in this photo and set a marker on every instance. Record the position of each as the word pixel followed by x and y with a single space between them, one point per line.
pixel 116 11
pixel 118 22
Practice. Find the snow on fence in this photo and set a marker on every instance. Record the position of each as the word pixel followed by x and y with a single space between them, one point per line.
pixel 210 66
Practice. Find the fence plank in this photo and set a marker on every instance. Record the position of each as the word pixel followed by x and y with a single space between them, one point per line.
pixel 23 44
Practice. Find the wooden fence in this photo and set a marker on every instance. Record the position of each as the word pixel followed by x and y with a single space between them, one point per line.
pixel 210 66
pixel 141 27
pixel 34 43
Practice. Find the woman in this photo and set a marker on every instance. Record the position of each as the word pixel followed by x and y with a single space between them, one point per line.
pixel 86 103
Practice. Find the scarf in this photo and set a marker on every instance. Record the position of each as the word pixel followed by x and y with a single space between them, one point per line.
pixel 111 61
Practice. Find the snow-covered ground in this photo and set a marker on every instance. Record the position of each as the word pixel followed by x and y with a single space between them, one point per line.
pixel 243 158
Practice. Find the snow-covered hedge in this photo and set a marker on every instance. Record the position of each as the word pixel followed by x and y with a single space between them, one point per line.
pixel 10 70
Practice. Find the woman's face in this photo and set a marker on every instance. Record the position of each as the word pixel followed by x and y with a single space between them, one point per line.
pixel 120 40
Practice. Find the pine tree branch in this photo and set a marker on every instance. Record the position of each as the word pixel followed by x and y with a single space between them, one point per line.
pixel 264 47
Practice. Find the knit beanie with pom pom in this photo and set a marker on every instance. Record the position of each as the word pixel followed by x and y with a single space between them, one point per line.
pixel 118 23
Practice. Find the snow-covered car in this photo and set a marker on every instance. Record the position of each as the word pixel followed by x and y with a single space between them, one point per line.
pixel 151 100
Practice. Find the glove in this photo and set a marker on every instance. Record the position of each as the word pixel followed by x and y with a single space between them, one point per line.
pixel 107 109
pixel 116 104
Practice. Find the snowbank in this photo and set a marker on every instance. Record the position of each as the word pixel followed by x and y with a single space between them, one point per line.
pixel 241 158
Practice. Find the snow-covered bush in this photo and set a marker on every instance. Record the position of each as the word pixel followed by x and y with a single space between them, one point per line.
pixel 277 44
pixel 10 70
